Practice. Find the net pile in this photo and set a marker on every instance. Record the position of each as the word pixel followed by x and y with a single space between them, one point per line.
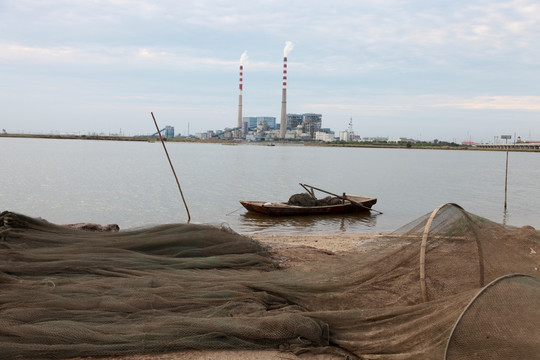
pixel 305 199
pixel 67 293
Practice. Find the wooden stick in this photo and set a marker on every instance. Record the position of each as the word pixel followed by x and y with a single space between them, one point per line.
pixel 344 197
pixel 506 181
pixel 310 191
pixel 172 168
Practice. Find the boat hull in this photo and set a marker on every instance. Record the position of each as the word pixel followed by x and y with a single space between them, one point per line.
pixel 359 204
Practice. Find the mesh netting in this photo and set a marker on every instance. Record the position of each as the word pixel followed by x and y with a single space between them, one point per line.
pixel 502 322
pixel 67 293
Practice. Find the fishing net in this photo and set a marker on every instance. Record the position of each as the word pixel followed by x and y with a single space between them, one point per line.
pixel 305 199
pixel 66 292
pixel 502 322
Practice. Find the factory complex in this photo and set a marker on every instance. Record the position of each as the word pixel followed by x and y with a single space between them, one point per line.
pixel 306 126
pixel 299 127
pixel 265 128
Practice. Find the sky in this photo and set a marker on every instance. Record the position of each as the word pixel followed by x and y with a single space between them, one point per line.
pixel 450 70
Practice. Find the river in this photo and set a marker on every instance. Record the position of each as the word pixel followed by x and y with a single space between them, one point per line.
pixel 131 184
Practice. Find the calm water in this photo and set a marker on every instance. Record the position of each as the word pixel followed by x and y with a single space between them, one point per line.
pixel 131 183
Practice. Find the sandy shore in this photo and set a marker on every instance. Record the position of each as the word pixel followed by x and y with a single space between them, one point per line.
pixel 224 355
pixel 328 242
pixel 289 251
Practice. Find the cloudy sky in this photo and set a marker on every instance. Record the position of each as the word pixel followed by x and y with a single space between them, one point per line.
pixel 448 69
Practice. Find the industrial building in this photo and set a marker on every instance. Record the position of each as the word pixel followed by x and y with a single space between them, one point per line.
pixel 254 121
pixel 169 132
pixel 325 136
pixel 310 122
pixel 166 132
pixel 293 120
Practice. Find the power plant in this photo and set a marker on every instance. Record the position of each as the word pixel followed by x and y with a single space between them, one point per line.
pixel 302 126
pixel 307 126
pixel 283 124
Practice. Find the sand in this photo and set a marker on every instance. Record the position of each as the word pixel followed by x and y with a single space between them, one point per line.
pixel 332 243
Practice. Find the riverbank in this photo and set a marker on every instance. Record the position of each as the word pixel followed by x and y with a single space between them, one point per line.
pixel 338 295
pixel 521 147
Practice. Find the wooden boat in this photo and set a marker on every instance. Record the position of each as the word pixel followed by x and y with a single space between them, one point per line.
pixel 346 204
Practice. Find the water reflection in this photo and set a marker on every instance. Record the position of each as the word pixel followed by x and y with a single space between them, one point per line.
pixel 346 223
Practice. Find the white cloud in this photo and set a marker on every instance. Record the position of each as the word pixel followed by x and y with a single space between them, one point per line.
pixel 126 56
pixel 389 30
pixel 386 105
pixel 517 103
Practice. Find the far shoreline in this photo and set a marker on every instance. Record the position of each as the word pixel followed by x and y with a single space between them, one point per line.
pixel 409 145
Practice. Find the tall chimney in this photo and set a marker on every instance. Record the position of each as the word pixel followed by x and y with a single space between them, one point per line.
pixel 283 125
pixel 240 98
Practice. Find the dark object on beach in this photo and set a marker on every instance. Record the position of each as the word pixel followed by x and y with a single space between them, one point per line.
pixel 308 204
pixel 94 227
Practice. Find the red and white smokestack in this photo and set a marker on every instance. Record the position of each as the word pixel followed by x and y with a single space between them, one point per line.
pixel 240 87
pixel 285 72
pixel 283 124
pixel 241 76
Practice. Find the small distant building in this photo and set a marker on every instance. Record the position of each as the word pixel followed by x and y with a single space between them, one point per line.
pixel 227 134
pixel 290 135
pixel 273 134
pixel 202 136
pixel 346 136
pixel 404 140
pixel 167 132
pixel 324 136
pixel 375 138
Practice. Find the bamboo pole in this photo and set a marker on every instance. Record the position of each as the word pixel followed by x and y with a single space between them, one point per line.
pixel 423 246
pixel 172 168
pixel 344 197
pixel 506 181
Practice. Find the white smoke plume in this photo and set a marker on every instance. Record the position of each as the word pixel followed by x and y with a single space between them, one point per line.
pixel 288 48
pixel 243 58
